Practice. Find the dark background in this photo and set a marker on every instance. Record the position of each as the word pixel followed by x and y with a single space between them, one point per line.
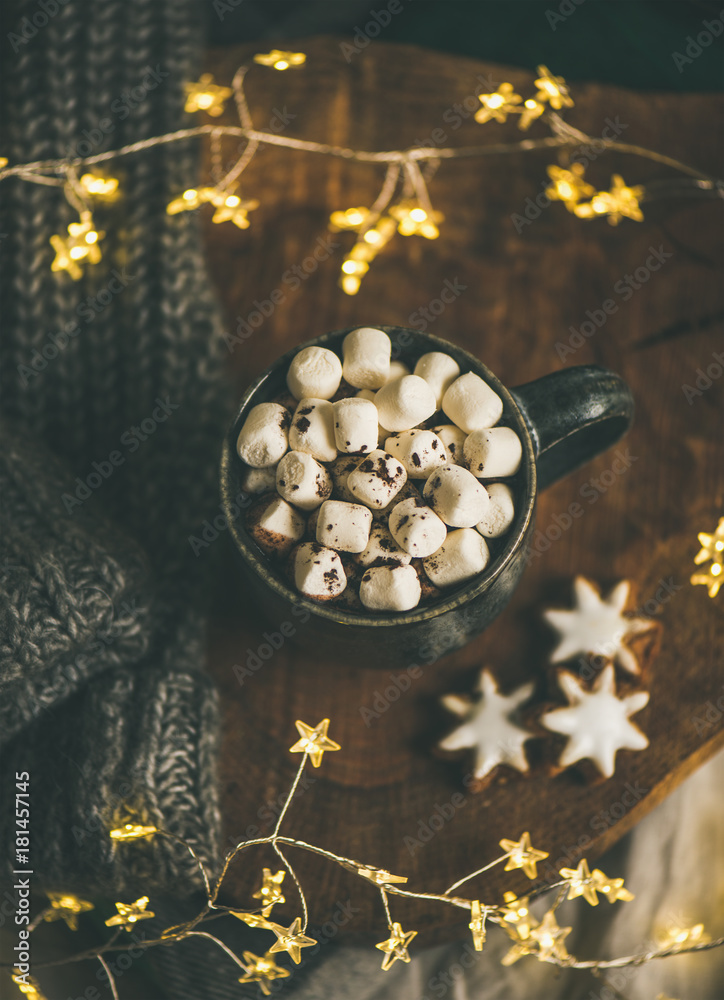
pixel 625 42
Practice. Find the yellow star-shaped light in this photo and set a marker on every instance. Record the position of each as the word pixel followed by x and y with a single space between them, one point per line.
pixel 552 89
pixel 612 888
pixel 349 218
pixel 262 970
pixel 233 209
pixel 549 938
pixel 81 244
pixel 582 882
pixel 205 95
pixel 251 919
pixel 532 109
pixel 270 891
pixel 477 925
pixel 291 940
pixel 521 947
pixel 675 936
pixel 129 914
pixel 522 855
pixel 414 220
pixel 517 912
pixel 133 831
pixel 280 60
pixel 712 546
pixel 498 105
pixel 568 185
pixel 712 578
pixel 314 741
pixel 100 188
pixel 621 201
pixel 191 198
pixel 66 907
pixel 395 947
pixel 27 985
pixel 3 162
pixel 378 876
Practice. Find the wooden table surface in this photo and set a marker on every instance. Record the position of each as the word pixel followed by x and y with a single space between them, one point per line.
pixel 521 289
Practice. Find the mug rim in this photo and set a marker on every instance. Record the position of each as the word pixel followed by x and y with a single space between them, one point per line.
pixel 470 591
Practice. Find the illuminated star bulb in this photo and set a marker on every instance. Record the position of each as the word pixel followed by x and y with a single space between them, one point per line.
pixel 552 89
pixel 712 546
pixel 583 882
pixel 349 218
pixel 130 914
pixel 314 740
pixel 81 244
pixel 517 912
pixel 262 970
pixel 621 201
pixel 568 185
pixel 132 831
pixel 205 95
pixel 270 891
pixel 66 907
pixel 712 579
pixel 291 940
pixel 280 60
pixel 27 985
pixel 414 220
pixel 520 854
pixel 678 936
pixel 549 938
pixel 378 876
pixel 532 109
pixel 101 188
pixel 498 105
pixel 395 947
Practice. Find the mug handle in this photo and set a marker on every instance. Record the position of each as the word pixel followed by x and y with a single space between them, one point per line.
pixel 573 415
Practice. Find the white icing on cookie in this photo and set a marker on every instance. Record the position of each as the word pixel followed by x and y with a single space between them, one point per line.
pixel 596 722
pixel 597 626
pixel 488 726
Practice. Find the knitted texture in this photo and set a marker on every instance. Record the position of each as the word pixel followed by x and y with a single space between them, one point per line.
pixel 141 740
pixel 120 376
pixel 75 598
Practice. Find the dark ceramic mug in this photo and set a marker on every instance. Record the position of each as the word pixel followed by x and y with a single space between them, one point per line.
pixel 563 420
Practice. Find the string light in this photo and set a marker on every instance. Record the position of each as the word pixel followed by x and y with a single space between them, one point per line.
pixel 619 202
pixel 100 188
pixel 81 244
pixel 583 882
pixel 130 913
pixel 229 207
pixel 395 947
pixel 262 970
pixel 270 890
pixel 521 854
pixel 133 831
pixel 677 937
pixel 64 906
pixel 498 105
pixel 281 60
pixel 414 220
pixel 549 938
pixel 568 185
pixel 712 551
pixel 291 940
pixel 27 986
pixel 205 95
pixel 314 741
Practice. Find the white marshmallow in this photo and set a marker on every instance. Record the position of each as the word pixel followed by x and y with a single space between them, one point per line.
pixel 318 572
pixel 493 453
pixel 453 439
pixel 343 526
pixel 277 527
pixel 339 471
pixel 382 432
pixel 366 354
pixel 390 588
pixel 456 496
pixel 404 403
pixel 471 404
pixel 377 479
pixel 355 425
pixel 314 373
pixel 421 452
pixel 312 429
pixel 264 437
pixel 499 516
pixel 439 371
pixel 382 549
pixel 416 528
pixel 302 481
pixel 462 556
pixel 259 480
pixel 397 370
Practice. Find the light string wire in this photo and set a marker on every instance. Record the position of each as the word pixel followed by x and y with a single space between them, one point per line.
pixel 264 969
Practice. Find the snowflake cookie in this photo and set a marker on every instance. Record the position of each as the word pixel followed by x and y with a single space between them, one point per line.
pixel 596 722
pixel 488 726
pixel 597 626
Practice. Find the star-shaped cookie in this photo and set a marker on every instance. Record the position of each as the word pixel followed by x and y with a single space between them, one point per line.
pixel 596 722
pixel 488 726
pixel 597 626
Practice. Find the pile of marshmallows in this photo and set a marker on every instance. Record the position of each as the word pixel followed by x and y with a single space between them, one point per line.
pixel 387 500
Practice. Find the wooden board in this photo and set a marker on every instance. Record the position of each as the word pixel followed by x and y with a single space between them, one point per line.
pixel 521 292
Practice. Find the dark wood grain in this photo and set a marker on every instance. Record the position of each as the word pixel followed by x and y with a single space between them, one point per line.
pixel 522 292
